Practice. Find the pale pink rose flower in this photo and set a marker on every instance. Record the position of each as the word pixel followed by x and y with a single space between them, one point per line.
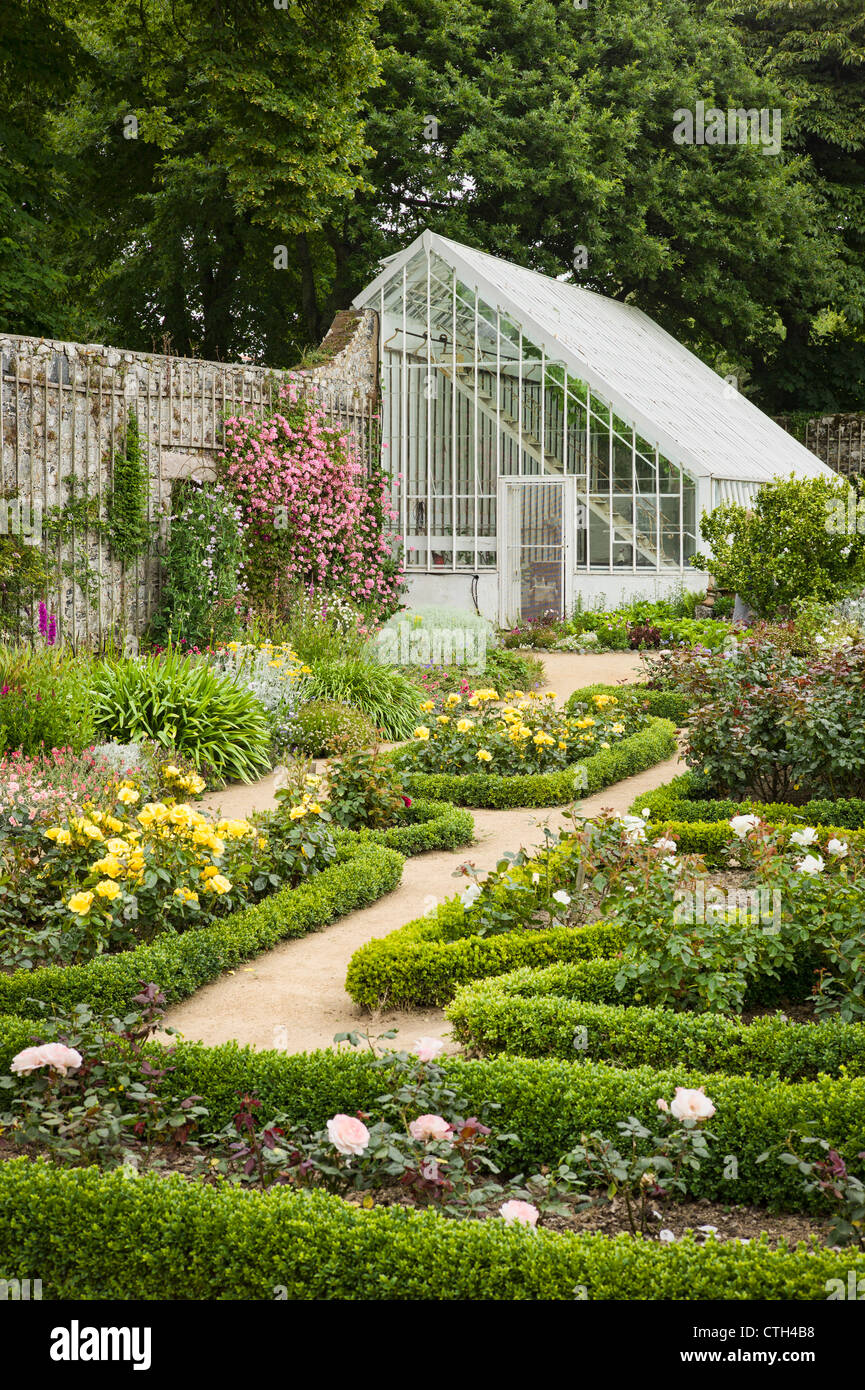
pixel 427 1049
pixel 429 1127
pixel 348 1134
pixel 691 1105
pixel 519 1213
pixel 57 1055
pixel 662 1104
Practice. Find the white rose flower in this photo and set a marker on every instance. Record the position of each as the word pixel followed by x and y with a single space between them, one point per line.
pixel 743 825
pixel 668 846
pixel 837 848
pixel 804 837
pixel 562 897
pixel 691 1105
pixel 470 894
pixel 811 864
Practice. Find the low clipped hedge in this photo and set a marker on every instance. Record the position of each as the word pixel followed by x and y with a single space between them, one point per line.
pixel 684 799
pixel 88 1235
pixel 662 704
pixel 181 964
pixel 429 825
pixel 545 1103
pixel 634 754
pixel 574 1011
pixel 714 839
pixel 418 965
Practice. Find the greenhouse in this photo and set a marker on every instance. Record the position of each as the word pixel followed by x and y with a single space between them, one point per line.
pixel 549 444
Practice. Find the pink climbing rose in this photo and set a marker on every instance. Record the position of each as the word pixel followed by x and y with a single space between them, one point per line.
pixel 55 1055
pixel 429 1127
pixel 519 1213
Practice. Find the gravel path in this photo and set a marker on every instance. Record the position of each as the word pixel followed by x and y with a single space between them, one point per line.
pixel 293 996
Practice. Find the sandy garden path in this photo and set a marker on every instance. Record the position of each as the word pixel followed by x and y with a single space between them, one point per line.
pixel 293 996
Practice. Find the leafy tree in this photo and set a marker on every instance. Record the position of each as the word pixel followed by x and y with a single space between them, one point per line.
pixel 816 53
pixel 210 133
pixel 38 55
pixel 553 129
pixel 802 539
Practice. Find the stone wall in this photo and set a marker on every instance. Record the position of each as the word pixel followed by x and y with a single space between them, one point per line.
pixel 837 440
pixel 64 412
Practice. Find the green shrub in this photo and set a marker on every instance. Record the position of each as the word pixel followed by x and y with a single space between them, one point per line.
pixel 23 577
pixel 423 826
pixel 322 728
pixel 167 1240
pixel 184 705
pixel 575 1012
pixel 419 965
pixel 782 548
pixel 388 700
pixel 643 749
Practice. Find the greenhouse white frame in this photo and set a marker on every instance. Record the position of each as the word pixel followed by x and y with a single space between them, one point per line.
pixel 498 384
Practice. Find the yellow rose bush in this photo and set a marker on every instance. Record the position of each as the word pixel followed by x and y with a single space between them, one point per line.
pixel 108 880
pixel 515 734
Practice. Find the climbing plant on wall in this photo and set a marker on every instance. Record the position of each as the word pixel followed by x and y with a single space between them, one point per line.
pixel 203 567
pixel 127 504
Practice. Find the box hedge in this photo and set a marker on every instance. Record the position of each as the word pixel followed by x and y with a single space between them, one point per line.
pixel 650 745
pixel 684 798
pixel 92 1236
pixel 575 1012
pixel 428 825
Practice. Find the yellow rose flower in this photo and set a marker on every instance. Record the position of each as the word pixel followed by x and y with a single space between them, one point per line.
pixel 443 719
pixel 452 701
pixel 427 705
pixel 58 833
pixel 262 842
pixel 80 903
pixel 210 872
pixel 464 725
pixel 128 795
pixel 187 894
pixel 297 813
pixel 220 884
pixel 110 865
pixel 421 734
pixel 484 756
pixel 107 888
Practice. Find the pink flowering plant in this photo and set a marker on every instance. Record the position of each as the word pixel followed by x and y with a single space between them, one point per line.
pixel 311 514
pixel 419 1145
pixel 645 1167
pixel 89 1090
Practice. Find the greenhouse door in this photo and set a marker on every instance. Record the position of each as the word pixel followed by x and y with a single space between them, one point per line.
pixel 537 517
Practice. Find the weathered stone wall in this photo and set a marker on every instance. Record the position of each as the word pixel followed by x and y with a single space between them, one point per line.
pixel 837 440
pixel 64 412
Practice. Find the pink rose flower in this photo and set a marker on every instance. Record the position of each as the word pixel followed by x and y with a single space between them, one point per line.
pixel 691 1105
pixel 427 1127
pixel 427 1049
pixel 348 1134
pixel 56 1055
pixel 519 1213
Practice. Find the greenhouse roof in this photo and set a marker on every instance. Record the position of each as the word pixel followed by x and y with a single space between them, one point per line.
pixel 633 364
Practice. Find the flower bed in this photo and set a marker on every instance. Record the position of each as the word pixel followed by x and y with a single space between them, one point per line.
pixel 661 704
pixel 544 1102
pixel 633 754
pixel 167 1240
pixel 181 964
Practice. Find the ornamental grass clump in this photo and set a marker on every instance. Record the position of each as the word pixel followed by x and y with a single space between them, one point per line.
pixel 186 705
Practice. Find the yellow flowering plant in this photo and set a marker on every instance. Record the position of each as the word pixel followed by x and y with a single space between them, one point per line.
pixel 515 733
